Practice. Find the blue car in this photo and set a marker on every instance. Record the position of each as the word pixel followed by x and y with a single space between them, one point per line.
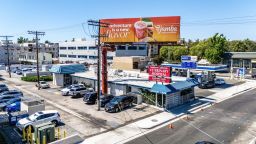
pixel 13 107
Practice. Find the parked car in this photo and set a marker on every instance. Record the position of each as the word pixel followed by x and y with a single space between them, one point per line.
pixel 219 81
pixel 18 72
pixel 66 90
pixel 6 98
pixel 13 107
pixel 39 117
pixel 10 101
pixel 118 103
pixel 12 93
pixel 253 75
pixel 3 88
pixel 91 97
pixel 204 142
pixel 77 92
pixel 105 99
pixel 43 85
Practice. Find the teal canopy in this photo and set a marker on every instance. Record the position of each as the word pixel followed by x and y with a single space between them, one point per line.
pixel 67 68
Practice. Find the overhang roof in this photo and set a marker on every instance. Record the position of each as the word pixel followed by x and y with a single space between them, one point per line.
pixel 67 68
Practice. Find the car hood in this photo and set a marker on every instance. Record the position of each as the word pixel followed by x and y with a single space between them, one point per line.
pixel 111 104
pixel 24 121
pixel 65 90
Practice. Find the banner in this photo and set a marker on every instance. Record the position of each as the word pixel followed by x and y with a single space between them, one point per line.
pixel 151 29
pixel 160 74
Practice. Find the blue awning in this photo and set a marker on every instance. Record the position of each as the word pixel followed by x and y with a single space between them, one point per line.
pixel 174 87
pixel 67 68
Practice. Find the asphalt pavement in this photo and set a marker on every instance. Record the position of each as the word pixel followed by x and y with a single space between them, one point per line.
pixel 226 122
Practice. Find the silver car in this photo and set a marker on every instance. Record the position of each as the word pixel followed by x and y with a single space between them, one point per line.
pixel 66 90
pixel 37 118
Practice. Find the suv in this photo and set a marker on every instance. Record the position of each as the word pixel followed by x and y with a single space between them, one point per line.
pixel 3 88
pixel 66 90
pixel 12 93
pixel 77 92
pixel 118 103
pixel 43 84
pixel 37 118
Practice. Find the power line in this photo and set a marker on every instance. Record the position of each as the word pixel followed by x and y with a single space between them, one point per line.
pixel 6 41
pixel 37 33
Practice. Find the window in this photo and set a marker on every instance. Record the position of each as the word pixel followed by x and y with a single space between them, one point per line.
pixel 63 48
pixel 82 56
pixel 92 57
pixel 82 48
pixel 63 55
pixel 142 48
pixel 121 48
pixel 72 56
pixel 132 48
pixel 71 48
pixel 92 48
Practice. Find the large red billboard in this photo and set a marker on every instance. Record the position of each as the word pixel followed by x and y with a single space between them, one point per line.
pixel 149 29
pixel 160 74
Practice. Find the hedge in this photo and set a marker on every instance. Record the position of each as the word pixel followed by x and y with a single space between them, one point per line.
pixel 34 78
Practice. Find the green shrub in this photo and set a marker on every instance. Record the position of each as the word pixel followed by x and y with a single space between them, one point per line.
pixel 34 78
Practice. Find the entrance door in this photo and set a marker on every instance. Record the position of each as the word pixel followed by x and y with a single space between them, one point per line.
pixel 67 79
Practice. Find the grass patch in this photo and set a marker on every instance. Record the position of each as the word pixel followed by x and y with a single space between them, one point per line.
pixel 34 78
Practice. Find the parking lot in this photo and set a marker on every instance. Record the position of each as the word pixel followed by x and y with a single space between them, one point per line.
pixel 77 116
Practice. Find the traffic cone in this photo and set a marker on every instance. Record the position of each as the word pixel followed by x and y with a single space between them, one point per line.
pixel 171 126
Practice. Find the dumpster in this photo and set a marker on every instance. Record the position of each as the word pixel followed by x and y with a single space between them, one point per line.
pixel 16 116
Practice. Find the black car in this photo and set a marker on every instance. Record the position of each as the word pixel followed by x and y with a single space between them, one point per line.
pixel 90 97
pixel 118 103
pixel 105 99
pixel 204 142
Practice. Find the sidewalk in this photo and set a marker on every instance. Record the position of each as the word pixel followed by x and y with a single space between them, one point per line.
pixel 135 129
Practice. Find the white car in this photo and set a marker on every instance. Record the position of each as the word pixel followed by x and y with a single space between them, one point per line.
pixel 39 117
pixel 43 84
pixel 66 90
pixel 219 81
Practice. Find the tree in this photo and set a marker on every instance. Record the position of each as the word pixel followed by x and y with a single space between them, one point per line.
pixel 173 53
pixel 199 49
pixel 158 60
pixel 21 40
pixel 47 42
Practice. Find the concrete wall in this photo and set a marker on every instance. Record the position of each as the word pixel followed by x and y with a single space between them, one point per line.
pixel 58 79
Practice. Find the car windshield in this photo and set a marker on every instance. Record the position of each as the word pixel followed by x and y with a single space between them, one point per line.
pixel 43 82
pixel 116 100
pixel 33 117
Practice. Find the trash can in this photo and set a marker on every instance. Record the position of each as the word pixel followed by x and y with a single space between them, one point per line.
pixel 16 116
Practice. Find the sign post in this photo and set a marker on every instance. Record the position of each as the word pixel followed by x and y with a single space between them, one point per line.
pixel 188 62
pixel 160 74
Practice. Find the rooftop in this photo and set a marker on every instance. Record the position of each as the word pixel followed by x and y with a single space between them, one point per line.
pixel 126 78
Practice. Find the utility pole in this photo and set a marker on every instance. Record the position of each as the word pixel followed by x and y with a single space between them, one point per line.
pixel 37 33
pixel 6 41
pixel 98 24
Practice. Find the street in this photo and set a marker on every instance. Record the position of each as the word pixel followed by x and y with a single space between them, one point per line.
pixel 226 122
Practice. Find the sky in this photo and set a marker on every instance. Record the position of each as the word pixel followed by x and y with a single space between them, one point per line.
pixel 62 19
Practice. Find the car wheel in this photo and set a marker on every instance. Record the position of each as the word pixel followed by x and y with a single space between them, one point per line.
pixel 27 128
pixel 78 95
pixel 55 123
pixel 130 104
pixel 117 110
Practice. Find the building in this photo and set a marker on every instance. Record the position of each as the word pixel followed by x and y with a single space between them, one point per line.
pixel 81 50
pixel 130 63
pixel 241 59
pixel 14 51
pixel 51 48
pixel 30 57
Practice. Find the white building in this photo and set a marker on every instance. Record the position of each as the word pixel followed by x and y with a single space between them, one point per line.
pixel 81 50
pixel 43 58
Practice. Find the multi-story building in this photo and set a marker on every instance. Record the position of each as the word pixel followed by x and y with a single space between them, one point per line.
pixel 14 51
pixel 43 58
pixel 81 50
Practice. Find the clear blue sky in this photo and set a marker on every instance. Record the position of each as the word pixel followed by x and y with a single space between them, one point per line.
pixel 18 16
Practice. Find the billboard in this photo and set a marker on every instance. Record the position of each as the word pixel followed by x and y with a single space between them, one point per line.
pixel 159 74
pixel 150 29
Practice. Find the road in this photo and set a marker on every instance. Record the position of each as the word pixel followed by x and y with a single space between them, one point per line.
pixel 231 121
